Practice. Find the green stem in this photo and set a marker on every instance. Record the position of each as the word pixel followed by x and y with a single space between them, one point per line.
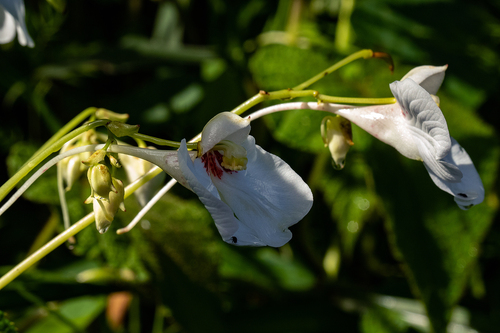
pixel 88 112
pixel 68 233
pixel 360 54
pixel 355 100
pixel 298 91
pixel 46 249
pixel 161 142
pixel 35 160
pixel 246 105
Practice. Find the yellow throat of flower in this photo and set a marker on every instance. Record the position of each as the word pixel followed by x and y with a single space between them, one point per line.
pixel 234 156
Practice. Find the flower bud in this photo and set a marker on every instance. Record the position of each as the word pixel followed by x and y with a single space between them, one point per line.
pixel 100 181
pixel 72 171
pixel 70 167
pixel 337 135
pixel 113 159
pixel 105 211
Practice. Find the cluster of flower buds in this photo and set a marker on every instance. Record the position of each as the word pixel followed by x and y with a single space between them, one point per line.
pixel 107 192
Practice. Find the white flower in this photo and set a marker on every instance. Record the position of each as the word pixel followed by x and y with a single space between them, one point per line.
pixel 252 195
pixel 12 21
pixel 416 127
pixel 255 196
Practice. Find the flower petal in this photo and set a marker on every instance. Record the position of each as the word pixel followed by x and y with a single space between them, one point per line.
pixel 224 126
pixel 428 77
pixel 469 191
pixel 7 26
pixel 267 197
pixel 428 127
pixel 198 181
pixel 16 9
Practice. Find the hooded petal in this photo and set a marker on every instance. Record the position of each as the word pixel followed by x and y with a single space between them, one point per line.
pixel 224 126
pixel 266 198
pixel 469 191
pixel 199 181
pixel 16 9
pixel 428 77
pixel 428 127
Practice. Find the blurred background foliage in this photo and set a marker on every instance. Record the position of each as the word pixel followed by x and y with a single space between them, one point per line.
pixel 382 250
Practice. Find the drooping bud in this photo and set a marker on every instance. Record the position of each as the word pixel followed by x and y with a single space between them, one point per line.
pixel 105 211
pixel 70 167
pixel 72 171
pixel 337 135
pixel 113 159
pixel 100 181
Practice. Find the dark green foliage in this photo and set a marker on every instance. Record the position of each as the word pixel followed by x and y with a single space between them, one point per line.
pixel 382 249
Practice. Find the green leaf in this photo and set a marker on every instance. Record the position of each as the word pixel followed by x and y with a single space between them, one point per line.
pixel 290 273
pixel 380 320
pixel 6 326
pixel 271 67
pixel 58 5
pixel 352 201
pixel 437 241
pixel 80 311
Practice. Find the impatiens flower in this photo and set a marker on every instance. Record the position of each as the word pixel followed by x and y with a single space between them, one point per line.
pixel 416 127
pixel 252 195
pixel 12 21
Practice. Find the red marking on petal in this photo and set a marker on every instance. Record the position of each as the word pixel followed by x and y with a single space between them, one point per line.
pixel 212 162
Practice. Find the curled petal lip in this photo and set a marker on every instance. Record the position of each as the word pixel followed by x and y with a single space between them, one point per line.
pixel 469 191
